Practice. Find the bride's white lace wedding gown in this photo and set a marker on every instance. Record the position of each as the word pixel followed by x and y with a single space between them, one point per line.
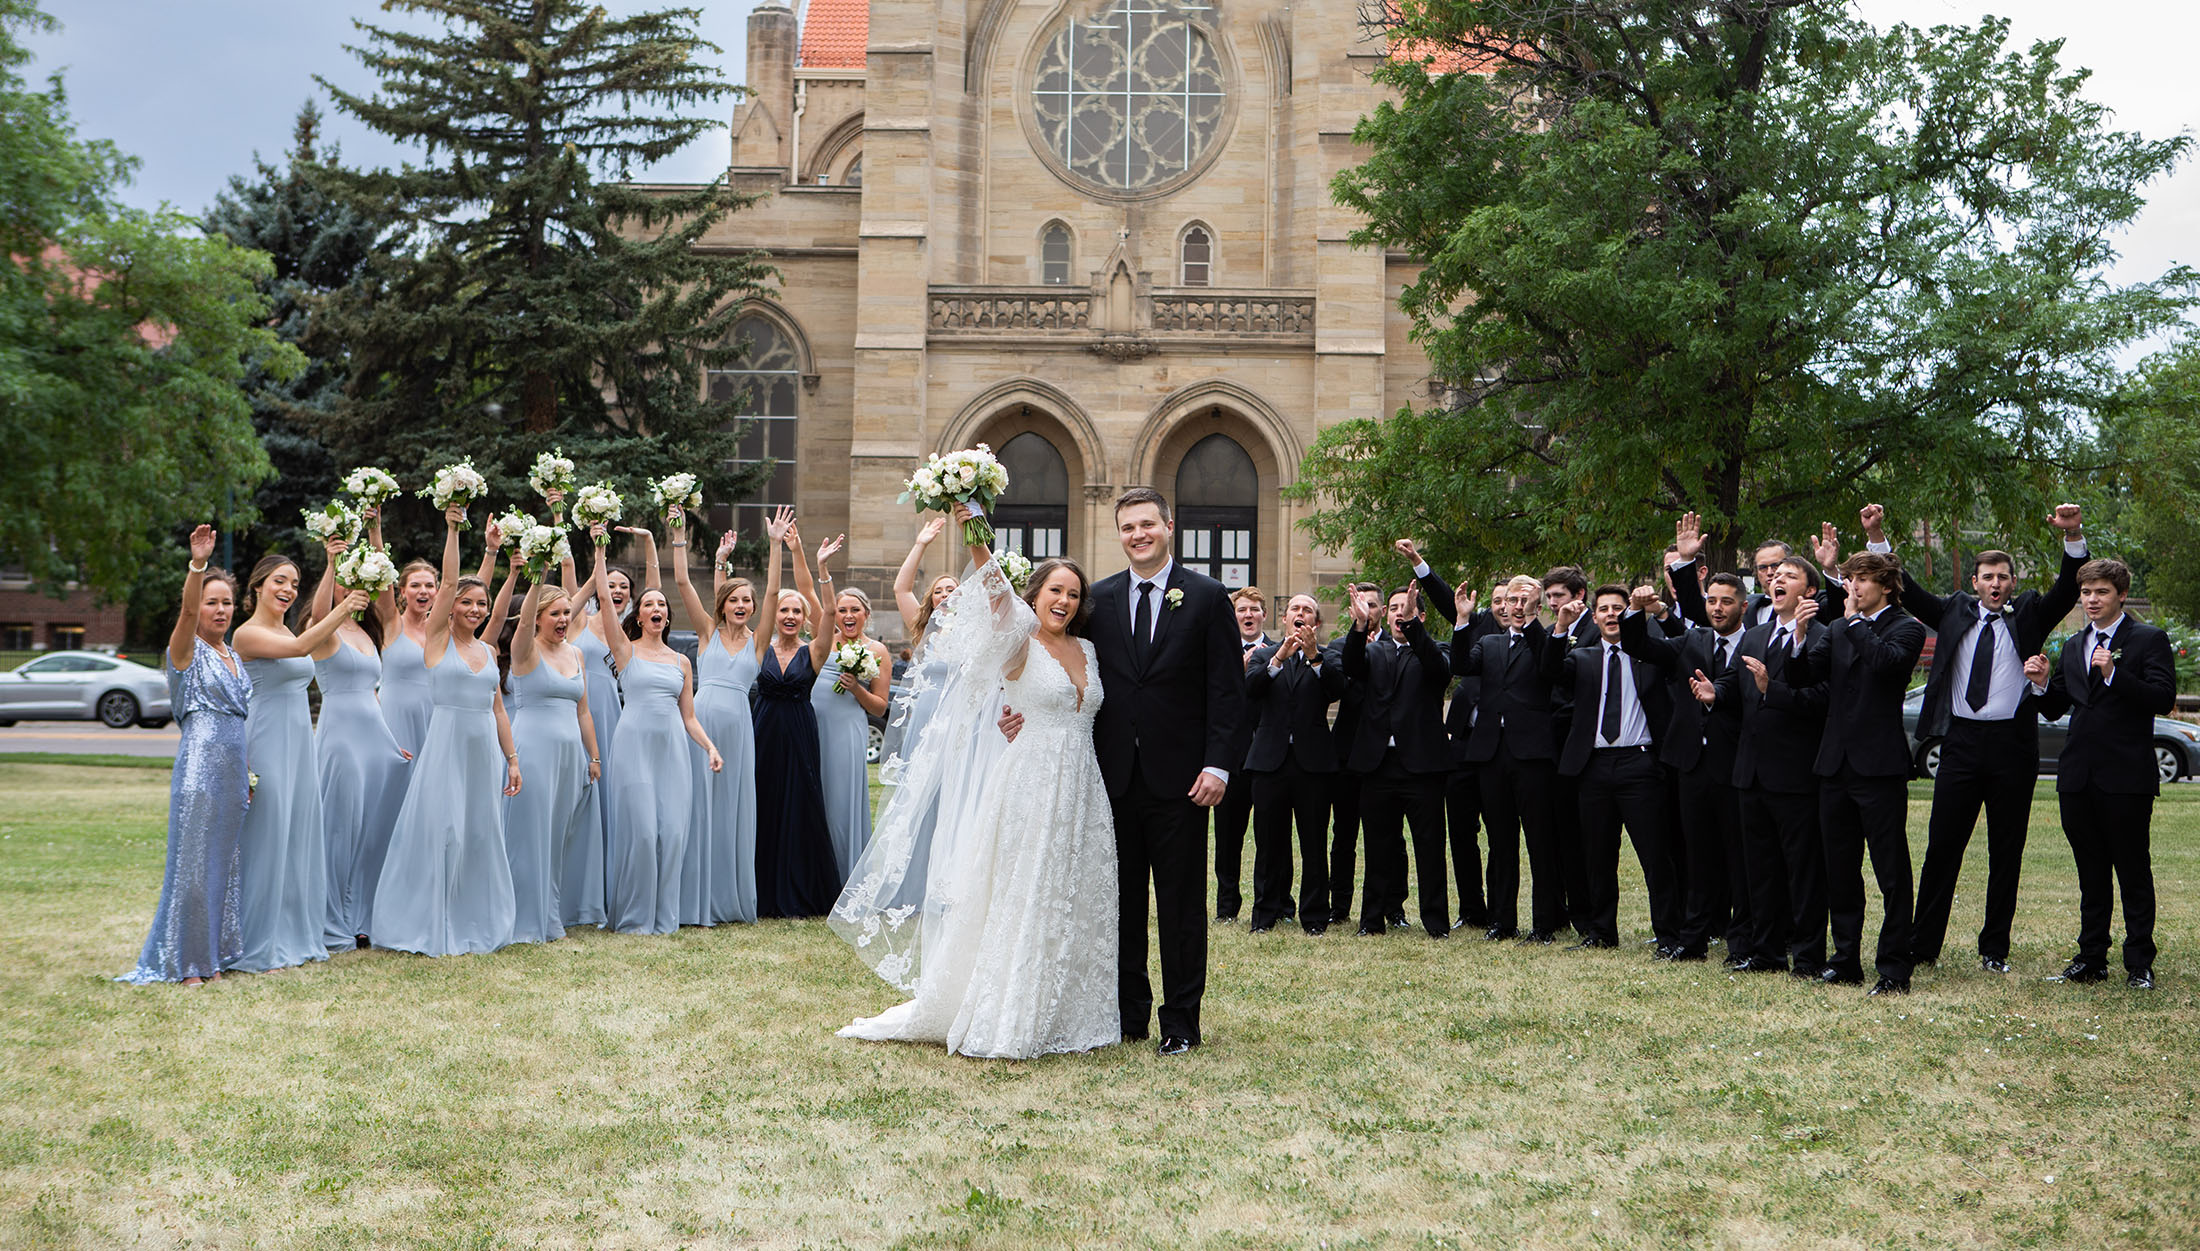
pixel 1019 910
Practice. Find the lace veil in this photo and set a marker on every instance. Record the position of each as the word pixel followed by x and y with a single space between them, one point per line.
pixel 905 882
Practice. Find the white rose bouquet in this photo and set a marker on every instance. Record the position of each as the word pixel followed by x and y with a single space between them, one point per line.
pixel 511 524
pixel 677 491
pixel 369 569
pixel 372 486
pixel 858 664
pixel 552 472
pixel 455 485
pixel 1016 567
pixel 333 520
pixel 973 476
pixel 541 548
pixel 597 505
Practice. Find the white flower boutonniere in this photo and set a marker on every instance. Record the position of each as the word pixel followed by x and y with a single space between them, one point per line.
pixel 1175 597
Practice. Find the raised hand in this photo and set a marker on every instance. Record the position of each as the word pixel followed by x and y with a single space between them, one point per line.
pixel 455 515
pixel 1413 603
pixel 597 532
pixel 782 520
pixel 2070 519
pixel 556 500
pixel 725 547
pixel 202 543
pixel 1757 673
pixel 334 546
pixel 1406 548
pixel 1571 613
pixel 1873 519
pixel 354 602
pixel 2035 669
pixel 1463 602
pixel 1827 546
pixel 641 531
pixel 494 537
pixel 1644 599
pixel 675 519
pixel 932 529
pixel 1703 688
pixel 792 536
pixel 827 549
pixel 1688 538
pixel 1805 613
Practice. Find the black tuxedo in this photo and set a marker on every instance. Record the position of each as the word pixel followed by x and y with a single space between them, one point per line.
pixel 1864 771
pixel 1774 757
pixel 1344 790
pixel 1169 713
pixel 1463 789
pixel 1983 763
pixel 1291 764
pixel 1512 748
pixel 1402 756
pixel 1566 841
pixel 1235 811
pixel 2106 780
pixel 1615 785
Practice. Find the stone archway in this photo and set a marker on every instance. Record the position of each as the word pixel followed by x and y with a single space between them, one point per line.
pixel 1179 428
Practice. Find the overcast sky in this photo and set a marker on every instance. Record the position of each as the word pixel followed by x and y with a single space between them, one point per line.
pixel 194 87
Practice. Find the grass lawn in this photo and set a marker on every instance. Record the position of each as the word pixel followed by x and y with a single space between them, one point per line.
pixel 628 1091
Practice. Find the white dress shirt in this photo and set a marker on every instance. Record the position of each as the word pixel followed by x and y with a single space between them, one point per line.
pixel 1634 727
pixel 1160 582
pixel 2004 686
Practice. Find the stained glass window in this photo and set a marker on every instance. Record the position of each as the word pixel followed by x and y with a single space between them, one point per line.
pixel 1132 98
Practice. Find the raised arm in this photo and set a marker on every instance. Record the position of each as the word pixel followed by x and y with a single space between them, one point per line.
pixel 718 563
pixel 385 604
pixel 523 639
pixel 814 589
pixel 776 530
pixel 614 637
pixel 262 643
pixel 493 628
pixel 676 529
pixel 905 578
pixel 1441 599
pixel 653 578
pixel 183 640
pixel 324 591
pixel 438 624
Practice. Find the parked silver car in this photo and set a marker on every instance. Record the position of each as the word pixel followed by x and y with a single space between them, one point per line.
pixel 84 686
pixel 2176 743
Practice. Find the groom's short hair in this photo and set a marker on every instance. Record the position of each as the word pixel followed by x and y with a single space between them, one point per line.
pixel 1145 495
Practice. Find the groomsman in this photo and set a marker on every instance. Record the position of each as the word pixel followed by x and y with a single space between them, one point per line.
pixel 1511 744
pixel 1766 560
pixel 1293 762
pixel 1781 722
pixel 1976 704
pixel 1236 809
pixel 1865 659
pixel 2119 673
pixel 1344 808
pixel 1610 757
pixel 1402 757
pixel 1462 788
pixel 1564 585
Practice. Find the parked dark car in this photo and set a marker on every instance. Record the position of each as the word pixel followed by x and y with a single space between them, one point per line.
pixel 2176 743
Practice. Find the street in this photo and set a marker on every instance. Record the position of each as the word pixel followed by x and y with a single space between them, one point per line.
pixel 87 738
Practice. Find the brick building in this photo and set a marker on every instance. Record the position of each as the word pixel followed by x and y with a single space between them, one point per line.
pixel 31 621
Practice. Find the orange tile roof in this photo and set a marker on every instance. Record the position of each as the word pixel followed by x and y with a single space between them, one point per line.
pixel 835 34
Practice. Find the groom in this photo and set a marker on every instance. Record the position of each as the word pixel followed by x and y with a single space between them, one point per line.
pixel 1174 681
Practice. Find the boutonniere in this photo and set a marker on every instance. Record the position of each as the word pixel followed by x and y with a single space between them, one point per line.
pixel 1175 597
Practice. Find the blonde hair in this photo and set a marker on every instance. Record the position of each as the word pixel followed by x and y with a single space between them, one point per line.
pixel 856 591
pixel 924 610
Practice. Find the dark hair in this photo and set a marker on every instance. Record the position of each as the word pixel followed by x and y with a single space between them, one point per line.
pixel 1569 576
pixel 1810 571
pixel 633 623
pixel 460 587
pixel 1356 587
pixel 1785 550
pixel 1140 495
pixel 1044 570
pixel 2114 572
pixel 504 653
pixel 261 572
pixel 370 624
pixel 1610 588
pixel 1403 589
pixel 1728 579
pixel 1880 567
pixel 1993 556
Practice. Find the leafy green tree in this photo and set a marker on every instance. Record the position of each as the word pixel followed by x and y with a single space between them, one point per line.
pixel 535 305
pixel 1752 258
pixel 2152 440
pixel 122 342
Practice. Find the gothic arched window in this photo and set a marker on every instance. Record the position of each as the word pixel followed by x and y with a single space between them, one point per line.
pixel 1054 244
pixel 1033 515
pixel 1198 251
pixel 1218 510
pixel 765 385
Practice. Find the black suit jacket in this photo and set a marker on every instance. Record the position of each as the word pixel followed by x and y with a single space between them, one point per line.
pixel 1510 697
pixel 1463 636
pixel 1693 736
pixel 1178 712
pixel 1954 618
pixel 1290 713
pixel 1866 666
pixel 1832 597
pixel 2111 743
pixel 1778 748
pixel 1404 701
pixel 1244 741
pixel 1578 669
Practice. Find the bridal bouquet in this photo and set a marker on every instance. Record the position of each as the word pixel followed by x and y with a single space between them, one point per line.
pixel 677 491
pixel 541 548
pixel 372 486
pixel 972 476
pixel 597 505
pixel 552 472
pixel 455 486
pixel 368 569
pixel 1016 567
pixel 512 524
pixel 333 520
pixel 858 664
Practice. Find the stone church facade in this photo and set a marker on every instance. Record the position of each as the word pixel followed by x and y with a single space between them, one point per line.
pixel 1096 235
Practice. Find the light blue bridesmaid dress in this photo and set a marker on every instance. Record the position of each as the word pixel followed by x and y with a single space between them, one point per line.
pixel 582 892
pixel 652 801
pixel 542 820
pixel 283 900
pixel 446 886
pixel 363 777
pixel 195 929
pixel 718 877
pixel 843 733
pixel 407 697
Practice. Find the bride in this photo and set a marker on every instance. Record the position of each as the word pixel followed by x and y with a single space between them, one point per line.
pixel 999 916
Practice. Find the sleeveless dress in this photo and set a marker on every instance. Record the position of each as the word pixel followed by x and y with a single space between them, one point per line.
pixel 718 878
pixel 542 820
pixel 842 734
pixel 446 886
pixel 363 778
pixel 581 893
pixel 283 907
pixel 795 873
pixel 195 930
pixel 1024 962
pixel 407 697
pixel 652 802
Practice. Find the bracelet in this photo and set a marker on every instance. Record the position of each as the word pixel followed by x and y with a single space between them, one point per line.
pixel 681 544
pixel 197 568
pixel 511 755
pixel 595 760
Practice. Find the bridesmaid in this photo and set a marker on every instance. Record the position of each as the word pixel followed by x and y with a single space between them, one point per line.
pixel 582 894
pixel 406 699
pixel 363 770
pixel 195 932
pixel 653 794
pixel 556 741
pixel 446 886
pixel 844 711
pixel 718 878
pixel 795 875
pixel 914 709
pixel 283 906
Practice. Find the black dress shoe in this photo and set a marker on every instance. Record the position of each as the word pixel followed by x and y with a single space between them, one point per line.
pixel 1735 964
pixel 1171 1045
pixel 1262 928
pixel 1761 964
pixel 1226 918
pixel 1316 931
pixel 1807 972
pixel 1339 917
pixel 1990 965
pixel 1890 986
pixel 1498 933
pixel 1439 933
pixel 2084 972
pixel 1472 921
pixel 1682 955
pixel 1593 944
pixel 1366 931
pixel 1398 921
pixel 1539 937
pixel 1835 975
pixel 2141 980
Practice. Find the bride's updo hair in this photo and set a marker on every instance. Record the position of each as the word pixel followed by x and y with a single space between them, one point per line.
pixel 1044 570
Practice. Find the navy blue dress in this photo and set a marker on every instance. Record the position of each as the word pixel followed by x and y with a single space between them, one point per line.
pixel 795 872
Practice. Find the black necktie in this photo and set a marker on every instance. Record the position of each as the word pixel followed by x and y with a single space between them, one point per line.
pixel 1142 621
pixel 1779 643
pixel 2100 640
pixel 1608 728
pixel 1982 667
pixel 1718 658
